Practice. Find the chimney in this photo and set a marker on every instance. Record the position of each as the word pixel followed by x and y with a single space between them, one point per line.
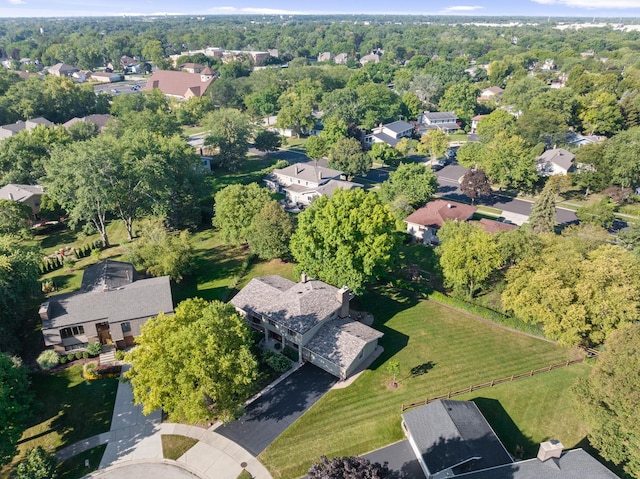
pixel 549 449
pixel 449 205
pixel 344 296
pixel 44 310
pixel 297 170
pixel 11 196
pixel 303 277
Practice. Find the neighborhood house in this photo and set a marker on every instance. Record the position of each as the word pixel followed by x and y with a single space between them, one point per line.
pixel 30 195
pixel 180 85
pixel 311 317
pixel 109 308
pixel 447 121
pixel 423 224
pixel 453 439
pixel 390 133
pixel 556 161
pixel 304 182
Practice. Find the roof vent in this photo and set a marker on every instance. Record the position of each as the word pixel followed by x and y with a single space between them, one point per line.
pixel 449 205
pixel 550 449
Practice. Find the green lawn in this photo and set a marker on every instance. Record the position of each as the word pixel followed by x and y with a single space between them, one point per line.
pixel 67 409
pixel 439 350
pixel 174 446
pixel 74 467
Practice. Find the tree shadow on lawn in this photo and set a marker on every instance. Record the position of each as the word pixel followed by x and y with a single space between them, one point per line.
pixel 60 238
pixel 516 443
pixel 62 281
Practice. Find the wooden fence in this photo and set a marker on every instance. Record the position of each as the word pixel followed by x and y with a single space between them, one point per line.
pixel 493 382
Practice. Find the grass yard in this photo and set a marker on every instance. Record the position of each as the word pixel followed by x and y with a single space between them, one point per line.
pixel 439 350
pixel 67 409
pixel 174 446
pixel 74 467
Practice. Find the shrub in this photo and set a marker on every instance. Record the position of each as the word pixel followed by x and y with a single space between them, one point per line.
pixel 85 355
pixel 108 371
pixel 79 355
pixel 277 362
pixel 291 354
pixel 94 349
pixel 71 357
pixel 120 354
pixel 89 370
pixel 63 359
pixel 48 359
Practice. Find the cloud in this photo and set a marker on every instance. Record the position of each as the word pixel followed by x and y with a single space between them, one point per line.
pixel 462 9
pixel 17 2
pixel 253 10
pixel 619 4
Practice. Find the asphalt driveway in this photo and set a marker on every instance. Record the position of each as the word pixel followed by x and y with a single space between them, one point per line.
pixel 268 416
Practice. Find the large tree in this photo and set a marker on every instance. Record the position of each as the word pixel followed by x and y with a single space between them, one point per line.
pixel 347 468
pixel 235 207
pixel 509 162
pixel 347 239
pixel 348 157
pixel 270 231
pixel 461 98
pixel 195 364
pixel 15 218
pixel 38 464
pixel 19 288
pixel 434 143
pixel 468 256
pixel 229 132
pixel 15 405
pixel 543 210
pixel 579 295
pixel 610 399
pixel 475 184
pixel 414 182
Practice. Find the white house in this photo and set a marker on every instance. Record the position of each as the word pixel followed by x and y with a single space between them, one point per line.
pixel 390 133
pixel 446 121
pixel 556 161
pixel 304 182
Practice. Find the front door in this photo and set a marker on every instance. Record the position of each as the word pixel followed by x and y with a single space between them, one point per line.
pixel 104 335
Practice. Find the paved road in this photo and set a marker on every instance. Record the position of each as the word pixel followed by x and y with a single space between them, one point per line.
pixel 268 416
pixel 400 459
pixel 145 470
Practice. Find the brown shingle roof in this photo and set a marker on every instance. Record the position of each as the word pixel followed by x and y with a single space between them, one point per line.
pixel 493 226
pixel 436 212
pixel 177 83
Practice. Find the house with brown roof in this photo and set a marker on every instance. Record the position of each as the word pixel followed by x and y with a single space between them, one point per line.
pixel 100 120
pixel 493 226
pixel 62 70
pixel 423 224
pixel 180 85
pixel 110 308
pixel 192 67
pixel 492 93
pixel 310 317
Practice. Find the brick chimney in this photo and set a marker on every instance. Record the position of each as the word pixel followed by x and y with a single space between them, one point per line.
pixel 549 449
pixel 44 311
pixel 344 296
pixel 303 277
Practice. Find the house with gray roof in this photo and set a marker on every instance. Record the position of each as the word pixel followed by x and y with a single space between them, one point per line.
pixel 110 308
pixel 447 121
pixel 453 439
pixel 304 182
pixel 30 195
pixel 391 133
pixel 14 128
pixel 311 317
pixel 556 161
pixel 62 70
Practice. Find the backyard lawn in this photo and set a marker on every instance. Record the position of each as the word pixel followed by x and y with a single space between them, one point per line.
pixel 74 467
pixel 438 350
pixel 67 409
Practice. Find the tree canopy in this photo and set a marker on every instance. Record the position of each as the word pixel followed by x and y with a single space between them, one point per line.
pixel 270 231
pixel 347 468
pixel 15 405
pixel 235 207
pixel 414 182
pixel 15 218
pixel 195 364
pixel 229 132
pixel 347 239
pixel 348 157
pixel 609 400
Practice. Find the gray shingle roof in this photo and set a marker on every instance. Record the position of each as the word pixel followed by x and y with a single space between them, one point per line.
pixel 388 139
pixel 20 193
pixel 107 274
pixel 448 433
pixel 308 172
pixel 141 299
pixel 300 307
pixel 399 126
pixel 575 464
pixel 558 156
pixel 340 341
pixel 440 115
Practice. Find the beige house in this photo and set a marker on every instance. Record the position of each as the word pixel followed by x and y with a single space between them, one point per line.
pixel 14 128
pixel 110 308
pixel 423 224
pixel 556 161
pixel 311 317
pixel 30 195
pixel 180 85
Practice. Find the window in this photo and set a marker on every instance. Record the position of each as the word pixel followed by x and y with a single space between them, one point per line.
pixel 126 327
pixel 71 331
pixel 292 333
pixel 73 347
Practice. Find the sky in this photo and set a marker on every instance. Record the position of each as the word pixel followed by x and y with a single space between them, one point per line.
pixel 63 8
